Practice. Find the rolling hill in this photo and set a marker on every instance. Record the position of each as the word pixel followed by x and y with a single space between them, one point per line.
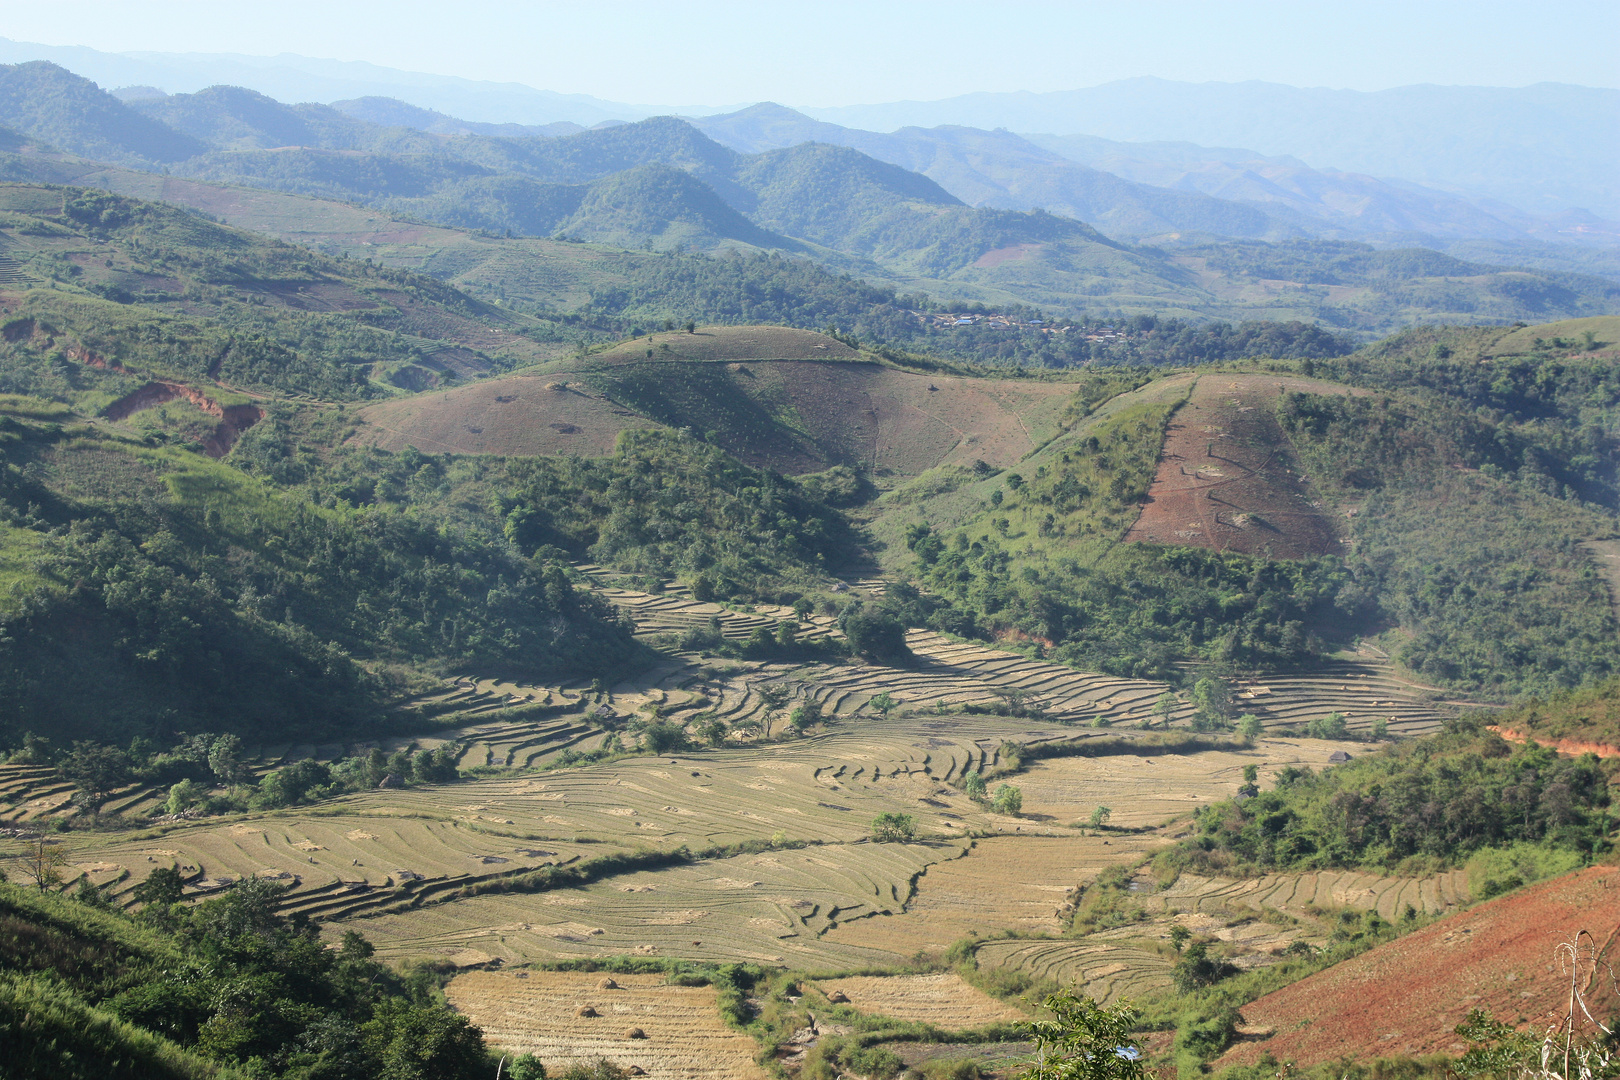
pixel 786 400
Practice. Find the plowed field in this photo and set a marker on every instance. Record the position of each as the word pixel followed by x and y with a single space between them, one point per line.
pixel 1227 478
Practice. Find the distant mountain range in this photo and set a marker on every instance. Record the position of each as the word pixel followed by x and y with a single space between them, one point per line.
pixel 984 216
pixel 1547 149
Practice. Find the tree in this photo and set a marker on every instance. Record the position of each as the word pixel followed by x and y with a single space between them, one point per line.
pixel 1084 1041
pixel 1100 816
pixel 802 607
pixel 875 634
pixel 184 795
pixel 884 703
pixel 1249 726
pixel 44 863
pixel 1178 936
pixel 1212 700
pixel 1331 726
pixel 162 886
pixel 806 716
pixel 973 785
pixel 225 760
pixel 1251 781
pixel 893 826
pixel 1379 728
pixel 1164 706
pixel 691 327
pixel 712 730
pixel 95 770
pixel 423 1042
pixel 526 1067
pixel 663 737
pixel 1008 800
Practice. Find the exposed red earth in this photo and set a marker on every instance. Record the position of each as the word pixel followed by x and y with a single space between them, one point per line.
pixel 1408 996
pixel 1227 479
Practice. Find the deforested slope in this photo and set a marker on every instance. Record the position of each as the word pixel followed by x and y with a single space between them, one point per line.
pixel 1408 996
pixel 790 400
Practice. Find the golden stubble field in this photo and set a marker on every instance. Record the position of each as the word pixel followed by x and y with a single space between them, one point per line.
pixel 1018 883
pixel 941 999
pixel 669 1032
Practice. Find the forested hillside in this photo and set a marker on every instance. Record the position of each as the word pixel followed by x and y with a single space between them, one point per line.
pixel 227 988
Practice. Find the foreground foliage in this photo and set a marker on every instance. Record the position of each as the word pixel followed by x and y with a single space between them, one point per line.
pixel 201 991
pixel 1439 798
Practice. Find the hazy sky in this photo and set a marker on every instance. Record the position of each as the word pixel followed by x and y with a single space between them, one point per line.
pixel 837 53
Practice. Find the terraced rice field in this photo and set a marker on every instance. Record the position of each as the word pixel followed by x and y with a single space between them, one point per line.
pixel 1294 893
pixel 960 673
pixel 770 908
pixel 338 865
pixel 682 1036
pixel 1144 790
pixel 1018 883
pixel 941 999
pixel 1106 970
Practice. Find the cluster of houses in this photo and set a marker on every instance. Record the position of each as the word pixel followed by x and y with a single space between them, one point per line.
pixel 947 320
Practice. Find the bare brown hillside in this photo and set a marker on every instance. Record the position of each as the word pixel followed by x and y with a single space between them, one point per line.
pixel 1227 478
pixel 1407 996
pixel 817 406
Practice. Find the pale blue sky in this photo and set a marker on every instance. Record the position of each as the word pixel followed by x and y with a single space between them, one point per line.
pixel 839 53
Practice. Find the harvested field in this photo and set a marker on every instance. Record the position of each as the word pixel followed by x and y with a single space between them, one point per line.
pixel 1327 889
pixel 771 908
pixel 1146 790
pixel 1105 970
pixel 1016 883
pixel 962 673
pixel 1407 996
pixel 941 999
pixel 685 1037
pixel 1227 478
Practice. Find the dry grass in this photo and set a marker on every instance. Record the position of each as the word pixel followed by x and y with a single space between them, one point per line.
pixel 940 999
pixel 685 1037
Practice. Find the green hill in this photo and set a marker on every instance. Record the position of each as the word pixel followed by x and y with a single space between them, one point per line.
pixel 65 110
pixel 224 989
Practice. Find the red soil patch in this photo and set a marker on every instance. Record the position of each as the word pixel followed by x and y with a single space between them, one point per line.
pixel 1572 747
pixel 1011 253
pixel 233 419
pixel 1227 479
pixel 1406 997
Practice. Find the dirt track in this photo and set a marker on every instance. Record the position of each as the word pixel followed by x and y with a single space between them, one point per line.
pixel 1227 478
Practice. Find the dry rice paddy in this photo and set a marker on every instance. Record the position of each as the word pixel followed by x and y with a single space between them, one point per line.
pixel 941 999
pixel 772 908
pixel 682 1034
pixel 1018 883
pixel 1144 790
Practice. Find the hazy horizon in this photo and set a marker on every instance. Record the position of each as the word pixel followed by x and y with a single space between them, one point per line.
pixel 844 54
